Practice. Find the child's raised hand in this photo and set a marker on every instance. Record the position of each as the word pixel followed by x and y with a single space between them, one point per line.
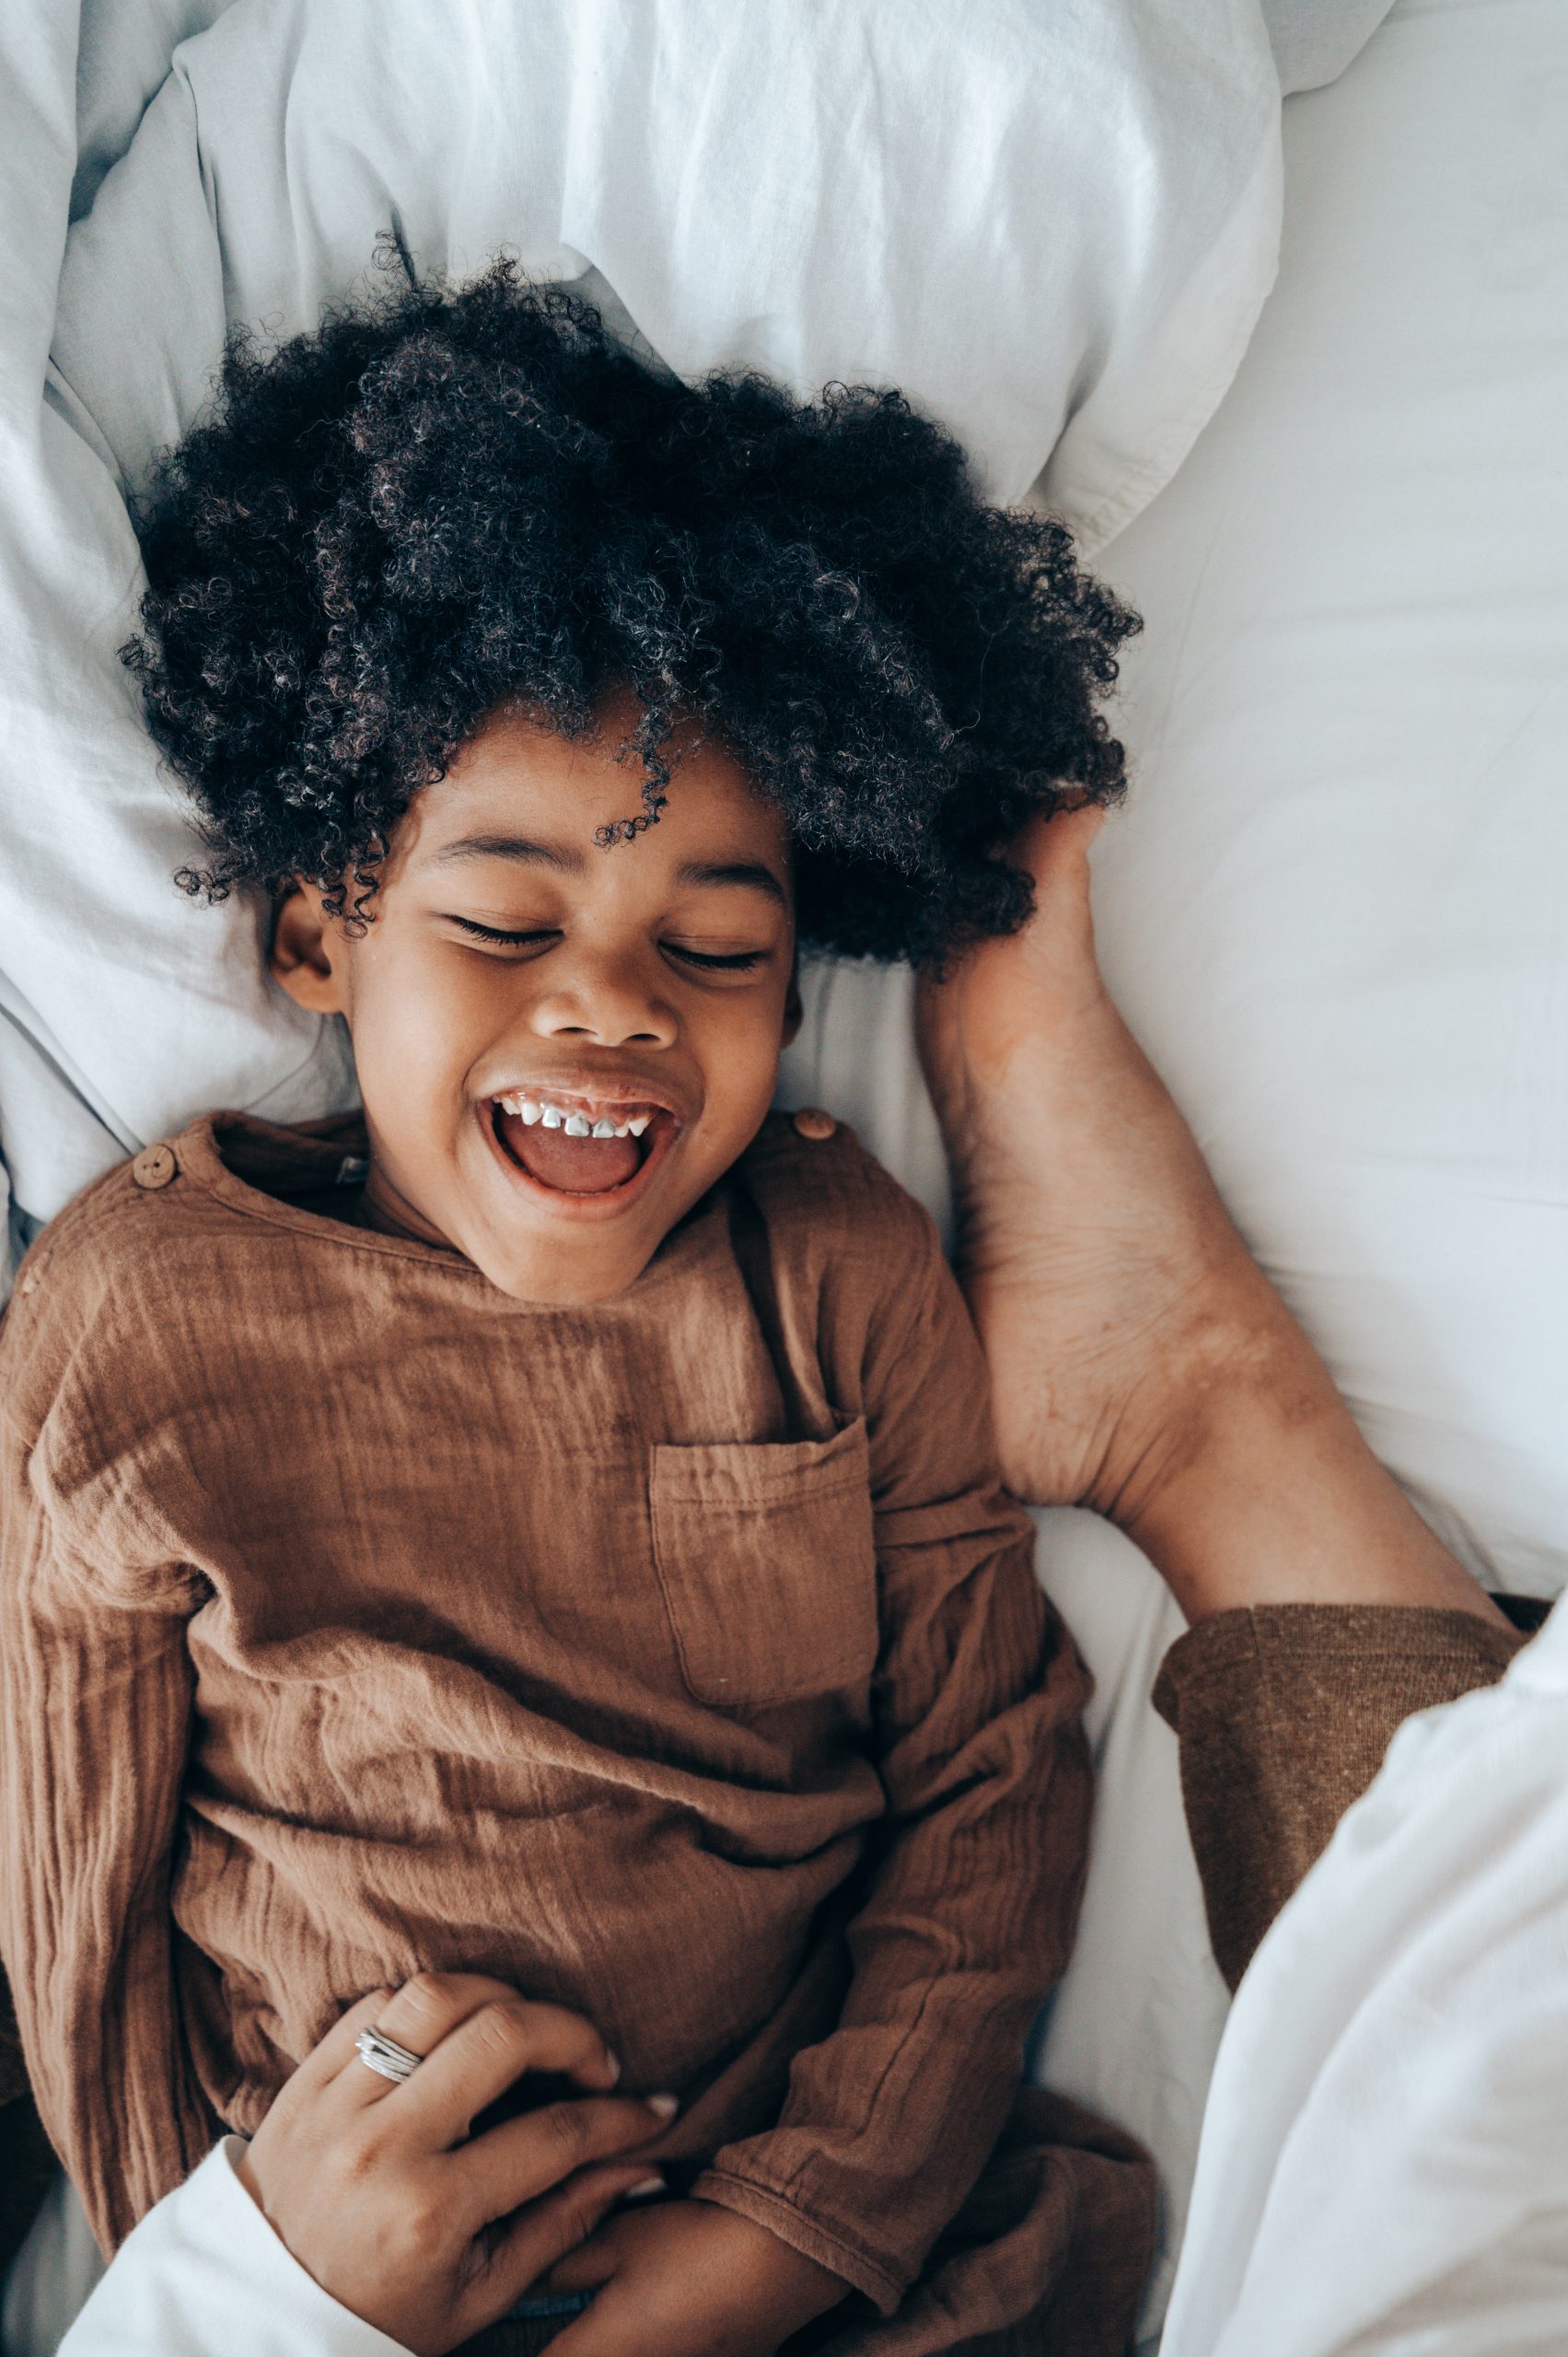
pixel 688 2278
pixel 380 2193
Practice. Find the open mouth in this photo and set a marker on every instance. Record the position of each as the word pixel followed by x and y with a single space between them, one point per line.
pixel 580 1147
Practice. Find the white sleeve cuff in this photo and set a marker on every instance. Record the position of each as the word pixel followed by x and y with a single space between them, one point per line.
pixel 200 2261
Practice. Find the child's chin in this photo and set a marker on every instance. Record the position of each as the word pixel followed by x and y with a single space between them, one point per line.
pixel 572 1273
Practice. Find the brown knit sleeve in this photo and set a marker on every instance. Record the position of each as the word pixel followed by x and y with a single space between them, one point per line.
pixel 1282 1714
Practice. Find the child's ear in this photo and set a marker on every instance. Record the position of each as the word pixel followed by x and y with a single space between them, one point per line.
pixel 794 1014
pixel 306 956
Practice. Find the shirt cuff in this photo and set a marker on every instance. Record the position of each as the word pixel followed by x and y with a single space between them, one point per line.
pixel 1282 1714
pixel 204 2257
pixel 860 2269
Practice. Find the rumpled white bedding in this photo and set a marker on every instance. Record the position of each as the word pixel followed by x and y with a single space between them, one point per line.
pixel 1054 233
pixel 1314 41
pixel 1335 909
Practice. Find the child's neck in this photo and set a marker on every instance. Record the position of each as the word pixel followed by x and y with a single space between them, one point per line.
pixel 377 1207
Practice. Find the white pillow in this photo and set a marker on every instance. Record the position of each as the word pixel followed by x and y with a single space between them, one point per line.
pixel 1054 232
pixel 1336 908
pixel 1314 41
pixel 1337 914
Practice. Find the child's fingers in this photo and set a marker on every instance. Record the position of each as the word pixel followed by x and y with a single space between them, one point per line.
pixel 591 2260
pixel 525 2157
pixel 545 2232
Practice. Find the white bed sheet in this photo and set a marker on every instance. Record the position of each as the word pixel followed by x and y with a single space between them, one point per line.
pixel 1336 908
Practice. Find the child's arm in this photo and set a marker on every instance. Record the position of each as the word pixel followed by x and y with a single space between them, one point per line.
pixel 96 1688
pixel 970 1911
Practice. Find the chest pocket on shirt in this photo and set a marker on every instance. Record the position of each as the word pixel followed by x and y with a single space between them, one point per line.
pixel 766 1554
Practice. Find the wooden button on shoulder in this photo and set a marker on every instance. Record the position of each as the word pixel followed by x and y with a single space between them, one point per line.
pixel 812 1122
pixel 154 1165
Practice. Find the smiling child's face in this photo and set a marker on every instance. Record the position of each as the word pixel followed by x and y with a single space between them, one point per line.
pixel 646 1000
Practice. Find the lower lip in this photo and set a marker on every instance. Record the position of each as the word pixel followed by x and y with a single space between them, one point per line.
pixel 610 1202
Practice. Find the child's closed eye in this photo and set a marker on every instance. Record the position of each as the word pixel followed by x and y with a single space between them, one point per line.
pixel 736 960
pixel 729 962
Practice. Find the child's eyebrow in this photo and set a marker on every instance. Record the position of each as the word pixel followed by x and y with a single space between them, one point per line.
pixel 749 873
pixel 535 855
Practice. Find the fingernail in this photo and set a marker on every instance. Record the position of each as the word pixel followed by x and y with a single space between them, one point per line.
pixel 614 2062
pixel 644 2186
pixel 665 2106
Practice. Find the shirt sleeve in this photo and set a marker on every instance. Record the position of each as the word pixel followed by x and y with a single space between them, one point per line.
pixel 974 1887
pixel 1282 1714
pixel 1383 2167
pixel 96 1698
pixel 203 2257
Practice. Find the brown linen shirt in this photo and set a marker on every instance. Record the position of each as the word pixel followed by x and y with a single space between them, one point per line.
pixel 679 1658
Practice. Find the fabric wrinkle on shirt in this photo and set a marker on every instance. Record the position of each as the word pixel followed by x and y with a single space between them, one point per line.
pixel 679 1659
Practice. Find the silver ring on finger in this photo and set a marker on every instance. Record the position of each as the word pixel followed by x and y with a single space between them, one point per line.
pixel 386 2056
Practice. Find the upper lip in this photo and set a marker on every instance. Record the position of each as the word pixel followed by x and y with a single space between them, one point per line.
pixel 602 1089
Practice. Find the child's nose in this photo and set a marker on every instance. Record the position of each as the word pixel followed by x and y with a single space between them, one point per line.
pixel 610 1001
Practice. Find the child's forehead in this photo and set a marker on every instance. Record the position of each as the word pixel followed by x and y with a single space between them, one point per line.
pixel 518 783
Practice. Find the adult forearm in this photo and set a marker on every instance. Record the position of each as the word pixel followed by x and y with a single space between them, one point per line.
pixel 1325 1613
pixel 1143 1365
pixel 1263 1492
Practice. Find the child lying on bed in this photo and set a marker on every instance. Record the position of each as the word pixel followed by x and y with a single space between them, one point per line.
pixel 547 1525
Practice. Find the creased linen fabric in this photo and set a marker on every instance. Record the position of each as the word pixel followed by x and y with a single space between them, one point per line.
pixel 170 2296
pixel 679 1659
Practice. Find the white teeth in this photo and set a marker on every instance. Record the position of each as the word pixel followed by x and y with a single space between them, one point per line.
pixel 530 1110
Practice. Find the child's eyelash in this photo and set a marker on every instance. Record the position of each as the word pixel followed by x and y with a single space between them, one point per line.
pixel 736 961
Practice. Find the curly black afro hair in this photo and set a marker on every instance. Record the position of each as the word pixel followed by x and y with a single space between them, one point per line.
pixel 444 500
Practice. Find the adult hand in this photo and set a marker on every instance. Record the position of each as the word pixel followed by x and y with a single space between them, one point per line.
pixel 1108 1282
pixel 381 2194
pixel 690 2279
pixel 1141 1364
